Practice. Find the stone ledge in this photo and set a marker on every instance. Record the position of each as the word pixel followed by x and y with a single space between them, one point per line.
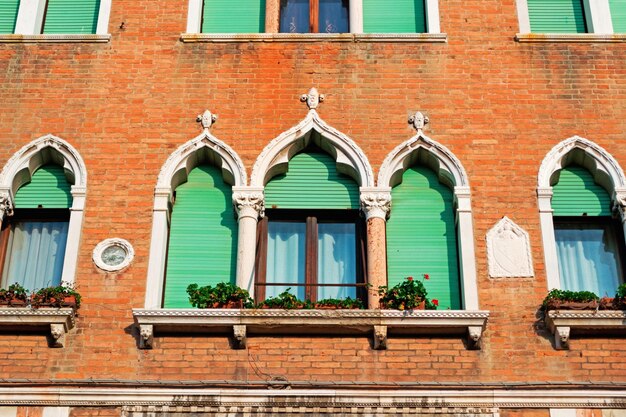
pixel 56 322
pixel 73 38
pixel 569 37
pixel 314 37
pixel 563 322
pixel 379 323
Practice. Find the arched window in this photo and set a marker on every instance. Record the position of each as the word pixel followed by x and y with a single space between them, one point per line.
pixel 421 235
pixel 43 192
pixel 579 186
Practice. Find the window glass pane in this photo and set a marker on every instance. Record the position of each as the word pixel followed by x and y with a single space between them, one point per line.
pixel 588 258
pixel 333 16
pixel 336 262
pixel 224 16
pixel 286 251
pixel 556 16
pixel 294 16
pixel 35 254
pixel 398 16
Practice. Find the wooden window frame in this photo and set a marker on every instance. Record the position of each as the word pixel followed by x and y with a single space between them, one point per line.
pixel 311 219
pixel 314 16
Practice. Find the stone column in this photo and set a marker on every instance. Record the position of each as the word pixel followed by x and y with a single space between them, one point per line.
pixel 466 248
pixel 272 16
pixel 249 204
pixel 544 196
pixel 6 206
pixel 619 199
pixel 376 204
pixel 158 248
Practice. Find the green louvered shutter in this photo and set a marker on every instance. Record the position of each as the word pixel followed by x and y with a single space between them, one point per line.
pixel 576 193
pixel 421 236
pixel 224 16
pixel 8 15
pixel 556 16
pixel 394 16
pixel 203 236
pixel 48 188
pixel 71 16
pixel 312 182
pixel 618 14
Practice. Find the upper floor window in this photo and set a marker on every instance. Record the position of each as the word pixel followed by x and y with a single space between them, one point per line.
pixel 618 15
pixel 8 15
pixel 221 16
pixel 314 16
pixel 400 16
pixel 572 16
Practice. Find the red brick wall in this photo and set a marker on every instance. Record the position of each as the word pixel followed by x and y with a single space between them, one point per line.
pixel 500 106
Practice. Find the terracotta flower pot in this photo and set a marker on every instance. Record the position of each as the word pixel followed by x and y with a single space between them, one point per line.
pixel 571 305
pixel 607 303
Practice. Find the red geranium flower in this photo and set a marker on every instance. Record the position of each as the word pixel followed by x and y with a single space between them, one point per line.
pixel 435 302
pixel 426 276
pixel 409 278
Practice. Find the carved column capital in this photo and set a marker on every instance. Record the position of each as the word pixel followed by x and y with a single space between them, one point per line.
pixel 619 204
pixel 249 202
pixel 375 203
pixel 6 206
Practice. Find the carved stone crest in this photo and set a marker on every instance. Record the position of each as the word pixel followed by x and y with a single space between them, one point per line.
pixel 312 99
pixel 206 119
pixel 508 250
pixel 376 204
pixel 419 120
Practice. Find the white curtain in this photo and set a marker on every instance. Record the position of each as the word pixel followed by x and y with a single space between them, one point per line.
pixel 336 261
pixel 286 251
pixel 588 259
pixel 35 254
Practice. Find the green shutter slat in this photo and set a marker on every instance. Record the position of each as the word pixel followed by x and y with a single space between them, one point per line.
pixel 47 188
pixel 71 16
pixel 577 193
pixel 421 236
pixel 223 16
pixel 8 15
pixel 618 14
pixel 556 16
pixel 203 236
pixel 312 182
pixel 396 16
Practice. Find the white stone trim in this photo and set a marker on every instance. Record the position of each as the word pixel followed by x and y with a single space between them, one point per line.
pixel 562 323
pixel 432 16
pixel 8 411
pixel 606 172
pixel 597 18
pixel 50 149
pixel 194 16
pixel 314 37
pixel 451 172
pixel 569 38
pixel 173 173
pixel 55 38
pixel 100 247
pixel 375 202
pixel 274 158
pixel 562 412
pixel 30 21
pixel 56 412
pixel 55 322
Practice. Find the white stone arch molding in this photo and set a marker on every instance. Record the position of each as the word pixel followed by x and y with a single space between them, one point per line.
pixel 203 148
pixel 424 150
pixel 19 170
pixel 605 170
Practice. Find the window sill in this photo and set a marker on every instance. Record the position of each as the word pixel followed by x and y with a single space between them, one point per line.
pixel 583 322
pixel 241 322
pixel 56 322
pixel 313 37
pixel 568 37
pixel 75 38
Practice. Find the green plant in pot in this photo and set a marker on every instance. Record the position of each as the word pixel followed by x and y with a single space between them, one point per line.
pixel 285 300
pixel 570 300
pixel 63 295
pixel 336 303
pixel 15 295
pixel 409 294
pixel 619 302
pixel 222 295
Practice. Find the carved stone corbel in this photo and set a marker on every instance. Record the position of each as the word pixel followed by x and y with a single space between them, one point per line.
pixel 57 335
pixel 239 336
pixel 249 204
pixel 380 337
pixel 6 206
pixel 474 337
pixel 561 337
pixel 376 204
pixel 146 336
pixel 619 205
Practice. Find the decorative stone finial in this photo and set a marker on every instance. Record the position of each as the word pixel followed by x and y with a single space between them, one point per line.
pixel 312 99
pixel 206 119
pixel 419 120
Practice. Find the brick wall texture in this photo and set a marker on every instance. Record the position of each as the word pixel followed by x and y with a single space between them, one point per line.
pixel 126 105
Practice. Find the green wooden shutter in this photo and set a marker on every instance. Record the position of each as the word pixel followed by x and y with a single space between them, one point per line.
pixel 394 16
pixel 421 236
pixel 556 16
pixel 224 16
pixel 577 193
pixel 48 188
pixel 312 182
pixel 71 16
pixel 8 15
pixel 203 236
pixel 618 14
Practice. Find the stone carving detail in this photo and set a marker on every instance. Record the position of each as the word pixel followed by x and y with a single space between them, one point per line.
pixel 376 204
pixel 474 337
pixel 619 205
pixel 508 250
pixel 146 336
pixel 239 336
pixel 57 335
pixel 312 99
pixel 249 204
pixel 419 120
pixel 561 338
pixel 206 119
pixel 380 337
pixel 6 206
